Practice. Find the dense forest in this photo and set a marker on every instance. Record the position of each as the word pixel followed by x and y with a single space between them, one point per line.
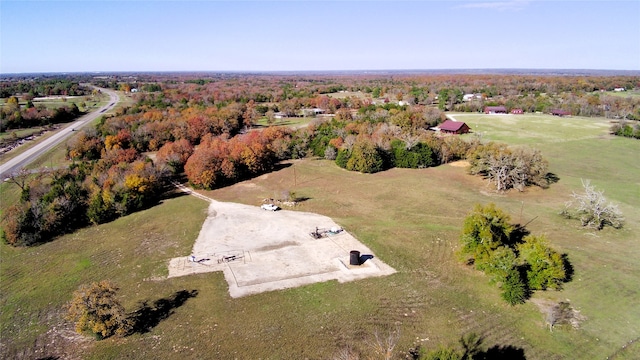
pixel 219 129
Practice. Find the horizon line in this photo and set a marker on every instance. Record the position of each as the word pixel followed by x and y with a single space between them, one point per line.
pixel 347 71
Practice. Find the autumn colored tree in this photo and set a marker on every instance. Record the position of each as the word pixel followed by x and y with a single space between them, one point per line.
pixel 95 309
pixel 86 145
pixel 203 167
pixel 119 141
pixel 175 154
pixel 250 115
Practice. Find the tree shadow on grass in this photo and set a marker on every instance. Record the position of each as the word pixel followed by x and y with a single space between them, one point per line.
pixel 498 352
pixel 172 194
pixel 568 268
pixel 551 178
pixel 300 199
pixel 517 235
pixel 148 316
pixel 472 349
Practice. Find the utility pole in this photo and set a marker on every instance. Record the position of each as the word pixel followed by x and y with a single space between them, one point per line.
pixel 295 178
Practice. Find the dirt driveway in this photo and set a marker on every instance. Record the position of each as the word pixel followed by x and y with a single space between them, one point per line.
pixel 262 250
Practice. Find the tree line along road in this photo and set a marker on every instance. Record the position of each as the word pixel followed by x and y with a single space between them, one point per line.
pixel 20 161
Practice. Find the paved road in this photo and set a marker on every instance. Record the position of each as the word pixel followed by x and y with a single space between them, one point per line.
pixel 14 165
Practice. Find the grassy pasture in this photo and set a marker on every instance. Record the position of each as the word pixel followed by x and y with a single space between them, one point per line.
pixel 409 218
pixel 55 102
pixel 346 94
pixel 626 93
pixel 294 122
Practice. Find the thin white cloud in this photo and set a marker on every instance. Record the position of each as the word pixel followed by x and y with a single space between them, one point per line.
pixel 513 5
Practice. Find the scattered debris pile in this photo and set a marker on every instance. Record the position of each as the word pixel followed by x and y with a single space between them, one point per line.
pixel 320 233
pixel 561 313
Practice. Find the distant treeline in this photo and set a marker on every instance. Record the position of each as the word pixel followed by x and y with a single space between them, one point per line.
pixel 29 89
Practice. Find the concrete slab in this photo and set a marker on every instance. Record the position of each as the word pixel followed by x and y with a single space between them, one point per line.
pixel 262 250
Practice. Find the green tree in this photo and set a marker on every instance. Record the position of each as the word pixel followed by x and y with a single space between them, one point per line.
pixel 500 264
pixel 417 156
pixel 95 309
pixel 365 157
pixel 514 288
pixel 343 157
pixel 484 230
pixel 545 266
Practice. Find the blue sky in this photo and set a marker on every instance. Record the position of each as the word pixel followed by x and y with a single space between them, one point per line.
pixel 78 36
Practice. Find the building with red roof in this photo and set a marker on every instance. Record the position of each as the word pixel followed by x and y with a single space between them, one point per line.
pixel 454 127
pixel 495 110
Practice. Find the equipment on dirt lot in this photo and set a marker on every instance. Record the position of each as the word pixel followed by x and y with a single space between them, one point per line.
pixel 225 259
pixel 354 257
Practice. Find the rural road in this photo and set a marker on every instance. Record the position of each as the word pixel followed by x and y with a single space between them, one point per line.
pixel 14 165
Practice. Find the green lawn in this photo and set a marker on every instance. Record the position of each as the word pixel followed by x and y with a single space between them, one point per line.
pixel 411 219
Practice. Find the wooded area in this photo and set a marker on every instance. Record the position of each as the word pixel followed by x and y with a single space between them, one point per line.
pixel 213 128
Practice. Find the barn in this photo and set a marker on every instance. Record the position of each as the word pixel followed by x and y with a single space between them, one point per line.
pixel 495 110
pixel 560 113
pixel 454 127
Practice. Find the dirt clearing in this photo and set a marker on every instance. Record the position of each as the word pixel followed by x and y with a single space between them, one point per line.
pixel 262 250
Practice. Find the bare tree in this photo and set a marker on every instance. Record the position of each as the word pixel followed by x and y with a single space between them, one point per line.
pixel 330 153
pixel 346 353
pixel 20 178
pixel 384 345
pixel 592 209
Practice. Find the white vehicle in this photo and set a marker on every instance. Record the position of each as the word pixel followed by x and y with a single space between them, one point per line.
pixel 270 207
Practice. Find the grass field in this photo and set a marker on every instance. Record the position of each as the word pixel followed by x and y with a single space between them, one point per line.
pixel 294 122
pixel 411 219
pixel 55 102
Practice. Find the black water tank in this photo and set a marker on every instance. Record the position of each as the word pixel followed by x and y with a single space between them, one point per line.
pixel 354 259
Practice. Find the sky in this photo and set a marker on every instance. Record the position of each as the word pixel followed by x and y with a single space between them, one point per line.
pixel 294 35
